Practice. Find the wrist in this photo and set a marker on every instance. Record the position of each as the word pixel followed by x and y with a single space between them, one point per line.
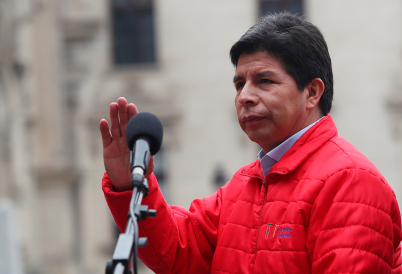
pixel 122 188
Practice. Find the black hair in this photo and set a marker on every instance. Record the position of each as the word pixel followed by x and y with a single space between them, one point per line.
pixel 298 44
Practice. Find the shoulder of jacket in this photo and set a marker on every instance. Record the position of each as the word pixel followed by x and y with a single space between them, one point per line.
pixel 350 154
pixel 350 159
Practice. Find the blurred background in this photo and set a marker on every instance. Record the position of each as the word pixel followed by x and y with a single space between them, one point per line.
pixel 63 62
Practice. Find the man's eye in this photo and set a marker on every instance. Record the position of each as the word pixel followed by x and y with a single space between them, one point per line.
pixel 265 81
pixel 239 85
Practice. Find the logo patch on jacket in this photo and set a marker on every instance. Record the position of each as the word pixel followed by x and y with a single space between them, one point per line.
pixel 278 231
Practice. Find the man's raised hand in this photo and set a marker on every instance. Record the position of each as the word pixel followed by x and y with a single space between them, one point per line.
pixel 116 155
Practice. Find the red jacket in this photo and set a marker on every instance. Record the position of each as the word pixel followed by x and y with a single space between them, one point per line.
pixel 323 208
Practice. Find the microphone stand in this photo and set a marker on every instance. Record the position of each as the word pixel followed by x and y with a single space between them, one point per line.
pixel 128 242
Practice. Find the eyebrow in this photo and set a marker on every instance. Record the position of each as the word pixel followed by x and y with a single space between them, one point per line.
pixel 259 74
pixel 264 74
pixel 237 78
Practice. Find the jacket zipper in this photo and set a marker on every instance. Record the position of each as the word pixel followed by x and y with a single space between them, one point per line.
pixel 259 222
pixel 262 210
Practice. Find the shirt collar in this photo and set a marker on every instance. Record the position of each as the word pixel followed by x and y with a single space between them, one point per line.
pixel 273 156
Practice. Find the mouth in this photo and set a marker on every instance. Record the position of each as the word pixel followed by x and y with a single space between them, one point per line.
pixel 251 120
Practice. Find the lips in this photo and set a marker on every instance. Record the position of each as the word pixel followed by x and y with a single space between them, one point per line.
pixel 250 120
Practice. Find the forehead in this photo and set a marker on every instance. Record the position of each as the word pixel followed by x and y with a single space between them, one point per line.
pixel 258 61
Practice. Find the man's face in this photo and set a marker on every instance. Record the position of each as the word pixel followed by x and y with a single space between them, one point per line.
pixel 270 107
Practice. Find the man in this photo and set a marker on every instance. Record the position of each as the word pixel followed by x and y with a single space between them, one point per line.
pixel 311 203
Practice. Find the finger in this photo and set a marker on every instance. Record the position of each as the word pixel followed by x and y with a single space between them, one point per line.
pixel 123 114
pixel 132 110
pixel 114 120
pixel 150 168
pixel 104 129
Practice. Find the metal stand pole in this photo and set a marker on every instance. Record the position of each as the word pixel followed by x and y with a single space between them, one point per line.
pixel 128 242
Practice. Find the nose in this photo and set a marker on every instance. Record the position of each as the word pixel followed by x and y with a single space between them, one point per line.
pixel 248 95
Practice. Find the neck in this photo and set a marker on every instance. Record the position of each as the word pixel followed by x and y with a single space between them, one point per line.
pixel 311 117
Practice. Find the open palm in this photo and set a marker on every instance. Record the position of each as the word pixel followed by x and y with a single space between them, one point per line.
pixel 116 154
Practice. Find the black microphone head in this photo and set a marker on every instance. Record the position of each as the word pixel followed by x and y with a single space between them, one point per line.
pixel 145 124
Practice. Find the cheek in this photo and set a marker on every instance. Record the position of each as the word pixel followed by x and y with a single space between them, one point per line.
pixel 297 104
pixel 282 103
pixel 237 106
pixel 236 98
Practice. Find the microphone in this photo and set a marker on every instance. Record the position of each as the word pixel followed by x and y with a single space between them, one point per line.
pixel 144 135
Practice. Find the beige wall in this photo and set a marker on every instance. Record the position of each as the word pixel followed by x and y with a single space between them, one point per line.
pixel 365 43
pixel 51 154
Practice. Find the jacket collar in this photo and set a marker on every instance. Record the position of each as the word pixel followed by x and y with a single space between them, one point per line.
pixel 307 144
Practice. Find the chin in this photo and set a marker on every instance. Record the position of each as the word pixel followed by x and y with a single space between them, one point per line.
pixel 257 138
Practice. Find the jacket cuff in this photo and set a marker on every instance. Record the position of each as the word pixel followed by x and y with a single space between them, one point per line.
pixel 119 202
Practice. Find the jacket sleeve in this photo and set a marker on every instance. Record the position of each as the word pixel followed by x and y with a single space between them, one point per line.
pixel 179 240
pixel 355 226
